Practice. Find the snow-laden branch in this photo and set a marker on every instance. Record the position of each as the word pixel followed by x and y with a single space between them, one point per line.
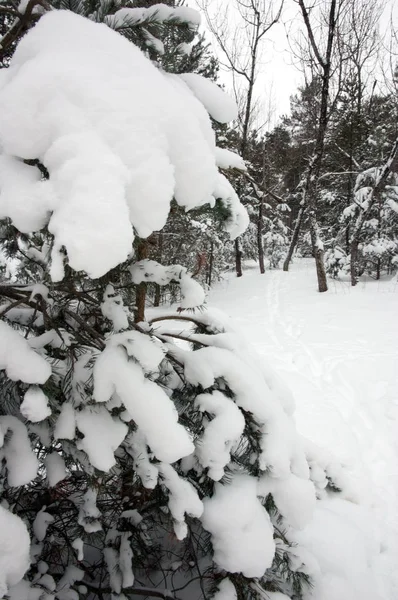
pixel 101 166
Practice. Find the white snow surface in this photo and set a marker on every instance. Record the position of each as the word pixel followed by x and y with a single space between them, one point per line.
pixel 338 353
pixel 14 550
pixel 119 138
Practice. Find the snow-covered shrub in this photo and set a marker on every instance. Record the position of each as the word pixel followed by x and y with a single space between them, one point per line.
pixel 336 261
pixel 157 454
pixel 275 241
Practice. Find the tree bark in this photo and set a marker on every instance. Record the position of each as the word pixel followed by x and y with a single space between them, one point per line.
pixel 310 192
pixel 211 262
pixel 294 240
pixel 140 294
pixel 260 247
pixel 354 262
pixel 238 258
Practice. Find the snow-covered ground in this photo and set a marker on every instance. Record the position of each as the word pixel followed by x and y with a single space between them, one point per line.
pixel 339 354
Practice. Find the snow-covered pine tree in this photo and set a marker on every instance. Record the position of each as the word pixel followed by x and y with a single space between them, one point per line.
pixel 152 459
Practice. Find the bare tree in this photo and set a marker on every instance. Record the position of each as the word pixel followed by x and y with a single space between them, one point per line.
pixel 350 30
pixel 240 44
pixel 322 59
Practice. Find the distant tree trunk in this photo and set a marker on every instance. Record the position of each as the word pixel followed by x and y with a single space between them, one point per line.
pixel 317 249
pixel 238 258
pixel 294 240
pixel 354 262
pixel 211 259
pixel 260 246
pixel 140 295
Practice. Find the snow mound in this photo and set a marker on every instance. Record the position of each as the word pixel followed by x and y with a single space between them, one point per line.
pixel 103 120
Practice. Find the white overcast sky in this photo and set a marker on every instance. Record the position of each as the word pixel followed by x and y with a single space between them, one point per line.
pixel 278 77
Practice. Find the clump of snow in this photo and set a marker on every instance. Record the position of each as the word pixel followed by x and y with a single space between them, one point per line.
pixel 118 556
pixel 78 545
pixel 160 13
pixel 69 578
pixel 21 462
pixel 226 591
pixel 183 499
pixel 89 514
pixel 65 427
pixel 55 467
pixel 193 294
pixel 218 104
pixel 95 423
pixel 125 558
pixel 229 160
pixel 147 403
pixel 238 219
pixel 103 120
pixel 242 534
pixel 220 434
pixel 135 444
pixel 19 360
pixel 281 449
pixel 55 339
pixel 294 497
pixel 14 550
pixel 112 308
pixel 35 405
pixel 184 48
pixel 40 524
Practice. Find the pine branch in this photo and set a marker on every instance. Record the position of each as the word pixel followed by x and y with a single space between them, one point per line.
pixel 136 591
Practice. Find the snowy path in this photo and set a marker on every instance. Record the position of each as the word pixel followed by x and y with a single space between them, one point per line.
pixel 339 354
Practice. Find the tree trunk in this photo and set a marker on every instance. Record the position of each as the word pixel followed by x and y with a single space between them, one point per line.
pixel 140 294
pixel 294 240
pixel 211 263
pixel 156 301
pixel 260 246
pixel 353 261
pixel 158 291
pixel 238 258
pixel 318 252
pixel 310 196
